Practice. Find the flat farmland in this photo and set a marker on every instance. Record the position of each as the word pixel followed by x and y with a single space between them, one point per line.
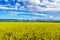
pixel 29 31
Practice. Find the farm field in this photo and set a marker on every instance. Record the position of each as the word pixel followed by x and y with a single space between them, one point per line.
pixel 29 31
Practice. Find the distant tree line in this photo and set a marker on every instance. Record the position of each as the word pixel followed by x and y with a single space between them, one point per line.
pixel 18 20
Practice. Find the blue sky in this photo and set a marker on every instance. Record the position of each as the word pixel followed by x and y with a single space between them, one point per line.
pixel 30 9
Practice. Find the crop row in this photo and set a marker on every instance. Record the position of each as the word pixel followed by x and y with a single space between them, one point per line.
pixel 31 36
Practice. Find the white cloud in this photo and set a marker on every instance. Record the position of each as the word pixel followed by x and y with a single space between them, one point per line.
pixel 56 18
pixel 52 17
pixel 50 6
pixel 6 0
pixel 6 8
pixel 36 16
pixel 37 2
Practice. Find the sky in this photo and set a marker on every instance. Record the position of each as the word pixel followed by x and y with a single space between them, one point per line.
pixel 30 9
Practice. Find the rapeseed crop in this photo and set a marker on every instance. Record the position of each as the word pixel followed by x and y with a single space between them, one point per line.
pixel 29 31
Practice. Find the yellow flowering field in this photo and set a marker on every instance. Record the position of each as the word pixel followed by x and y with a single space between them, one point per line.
pixel 29 31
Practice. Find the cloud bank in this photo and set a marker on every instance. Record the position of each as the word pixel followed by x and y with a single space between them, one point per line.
pixel 32 5
pixel 33 9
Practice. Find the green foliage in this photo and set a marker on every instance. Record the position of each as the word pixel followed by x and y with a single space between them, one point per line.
pixel 18 20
